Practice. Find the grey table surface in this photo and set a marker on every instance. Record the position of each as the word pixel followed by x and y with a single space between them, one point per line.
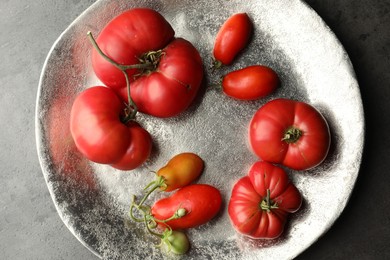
pixel 30 227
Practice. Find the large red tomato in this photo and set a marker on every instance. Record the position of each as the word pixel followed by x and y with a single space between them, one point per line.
pixel 171 70
pixel 101 136
pixel 261 201
pixel 201 203
pixel 291 133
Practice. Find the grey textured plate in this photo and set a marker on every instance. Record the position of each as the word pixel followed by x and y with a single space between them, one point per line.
pixel 93 200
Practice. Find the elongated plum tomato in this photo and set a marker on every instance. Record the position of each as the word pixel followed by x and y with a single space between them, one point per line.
pixel 291 133
pixel 261 201
pixel 250 83
pixel 232 37
pixel 170 72
pixel 201 203
pixel 101 136
pixel 181 170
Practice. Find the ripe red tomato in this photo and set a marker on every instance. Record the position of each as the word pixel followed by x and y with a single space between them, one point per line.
pixel 261 201
pixel 180 171
pixel 201 202
pixel 250 83
pixel 291 133
pixel 172 69
pixel 99 134
pixel 232 37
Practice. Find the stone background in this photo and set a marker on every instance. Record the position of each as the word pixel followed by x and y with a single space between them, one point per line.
pixel 29 225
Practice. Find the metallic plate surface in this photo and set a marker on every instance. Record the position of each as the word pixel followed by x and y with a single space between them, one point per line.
pixel 93 200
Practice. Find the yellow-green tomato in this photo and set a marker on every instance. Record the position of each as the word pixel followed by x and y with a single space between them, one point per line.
pixel 176 242
pixel 181 170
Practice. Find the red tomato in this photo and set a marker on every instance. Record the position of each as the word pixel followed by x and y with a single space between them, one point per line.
pixel 261 201
pixel 172 69
pixel 180 171
pixel 99 134
pixel 250 83
pixel 232 37
pixel 172 87
pixel 291 133
pixel 201 202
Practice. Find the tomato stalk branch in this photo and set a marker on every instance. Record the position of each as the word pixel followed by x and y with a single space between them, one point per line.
pixel 179 213
pixel 134 218
pixel 147 65
pixel 151 187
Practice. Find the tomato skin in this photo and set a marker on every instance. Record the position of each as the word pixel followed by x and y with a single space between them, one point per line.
pixel 270 125
pixel 202 202
pixel 232 37
pixel 181 170
pixel 99 134
pixel 138 150
pixel 171 88
pixel 125 38
pixel 249 193
pixel 167 88
pixel 250 83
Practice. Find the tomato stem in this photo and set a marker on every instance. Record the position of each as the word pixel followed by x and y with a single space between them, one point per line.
pixel 151 187
pixel 216 65
pixel 132 107
pixel 267 204
pixel 133 204
pixel 217 86
pixel 150 230
pixel 179 213
pixel 292 135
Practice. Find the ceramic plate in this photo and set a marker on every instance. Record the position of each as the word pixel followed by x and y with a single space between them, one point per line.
pixel 93 200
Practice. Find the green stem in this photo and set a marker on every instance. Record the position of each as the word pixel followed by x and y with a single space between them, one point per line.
pixel 151 187
pixel 179 213
pixel 292 135
pixel 267 204
pixel 131 106
pixel 134 218
pixel 150 230
pixel 146 65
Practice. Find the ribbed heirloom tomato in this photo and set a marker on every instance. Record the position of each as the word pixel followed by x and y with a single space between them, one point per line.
pixel 101 136
pixel 291 133
pixel 169 70
pixel 261 201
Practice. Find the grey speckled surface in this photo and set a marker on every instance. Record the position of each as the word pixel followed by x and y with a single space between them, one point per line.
pixel 30 227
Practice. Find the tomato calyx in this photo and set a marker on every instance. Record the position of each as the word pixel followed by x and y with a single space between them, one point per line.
pixel 292 135
pixel 267 204
pixel 151 60
pixel 173 241
pixel 216 65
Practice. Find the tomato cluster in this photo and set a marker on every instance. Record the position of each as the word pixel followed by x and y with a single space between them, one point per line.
pixel 282 131
pixel 137 48
pixel 249 83
pixel 145 68
pixel 191 205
